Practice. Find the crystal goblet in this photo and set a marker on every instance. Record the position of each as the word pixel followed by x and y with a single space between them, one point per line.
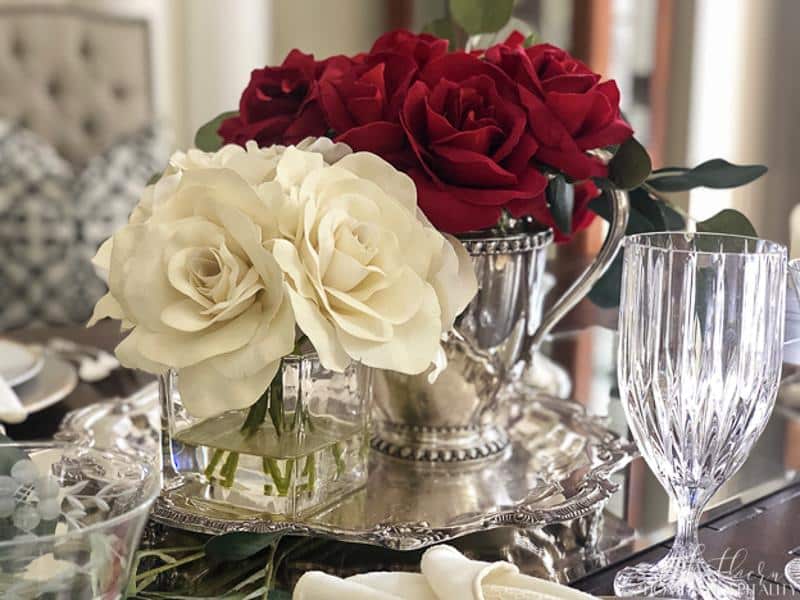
pixel 792 569
pixel 701 336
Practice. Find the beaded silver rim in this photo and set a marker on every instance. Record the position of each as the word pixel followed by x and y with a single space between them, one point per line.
pixel 514 243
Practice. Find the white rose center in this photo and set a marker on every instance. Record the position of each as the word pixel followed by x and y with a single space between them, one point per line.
pixel 221 283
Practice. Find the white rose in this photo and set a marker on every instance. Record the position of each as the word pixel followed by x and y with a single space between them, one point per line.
pixel 369 278
pixel 255 165
pixel 202 293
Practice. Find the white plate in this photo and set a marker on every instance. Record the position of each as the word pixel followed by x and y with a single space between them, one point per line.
pixel 19 363
pixel 57 379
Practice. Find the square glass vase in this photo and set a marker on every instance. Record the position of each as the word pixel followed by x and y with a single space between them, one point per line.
pixel 303 449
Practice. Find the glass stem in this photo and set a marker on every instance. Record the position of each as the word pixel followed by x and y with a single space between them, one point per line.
pixel 687 542
pixel 686 538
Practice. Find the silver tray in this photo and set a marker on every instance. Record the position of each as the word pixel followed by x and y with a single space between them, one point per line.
pixel 557 469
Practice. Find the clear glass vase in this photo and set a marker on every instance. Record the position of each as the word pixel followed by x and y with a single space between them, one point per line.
pixel 300 448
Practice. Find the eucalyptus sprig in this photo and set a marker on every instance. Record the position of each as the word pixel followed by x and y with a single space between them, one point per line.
pixel 233 566
pixel 651 209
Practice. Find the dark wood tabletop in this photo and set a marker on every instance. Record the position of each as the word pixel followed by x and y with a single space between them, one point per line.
pixel 755 540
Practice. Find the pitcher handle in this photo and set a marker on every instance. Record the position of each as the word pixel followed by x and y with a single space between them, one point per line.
pixel 620 211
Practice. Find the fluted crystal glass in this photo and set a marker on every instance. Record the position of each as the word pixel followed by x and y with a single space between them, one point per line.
pixel 701 336
pixel 792 569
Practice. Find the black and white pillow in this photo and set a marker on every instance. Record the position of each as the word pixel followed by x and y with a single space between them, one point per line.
pixel 52 221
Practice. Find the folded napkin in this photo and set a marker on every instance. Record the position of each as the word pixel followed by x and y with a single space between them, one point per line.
pixel 446 575
pixel 11 409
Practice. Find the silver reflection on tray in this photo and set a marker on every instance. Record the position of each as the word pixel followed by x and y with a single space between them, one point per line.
pixel 557 469
pixel 701 335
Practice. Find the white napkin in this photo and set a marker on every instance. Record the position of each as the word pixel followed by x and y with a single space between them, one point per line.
pixel 11 409
pixel 446 575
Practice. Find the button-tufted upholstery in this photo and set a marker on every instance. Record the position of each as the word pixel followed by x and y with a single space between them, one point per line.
pixel 77 78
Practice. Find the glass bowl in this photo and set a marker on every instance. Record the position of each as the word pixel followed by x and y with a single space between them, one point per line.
pixel 70 519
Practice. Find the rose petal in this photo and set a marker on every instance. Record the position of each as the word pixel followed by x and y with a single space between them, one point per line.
pixel 184 349
pixel 273 340
pixel 205 392
pixel 395 184
pixel 412 346
pixel 320 332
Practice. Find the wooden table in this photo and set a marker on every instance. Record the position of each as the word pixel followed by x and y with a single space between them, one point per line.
pixel 758 538
pixel 755 541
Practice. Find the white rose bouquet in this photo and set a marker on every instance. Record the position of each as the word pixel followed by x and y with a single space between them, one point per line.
pixel 232 257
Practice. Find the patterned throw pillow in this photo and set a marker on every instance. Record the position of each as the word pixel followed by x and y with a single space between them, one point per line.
pixel 52 220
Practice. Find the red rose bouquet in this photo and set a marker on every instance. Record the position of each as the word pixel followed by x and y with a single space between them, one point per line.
pixel 477 132
pixel 514 133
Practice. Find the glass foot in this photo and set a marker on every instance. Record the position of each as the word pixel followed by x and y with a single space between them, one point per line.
pixel 680 577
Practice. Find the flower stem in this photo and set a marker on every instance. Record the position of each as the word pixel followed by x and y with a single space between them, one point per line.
pixel 275 392
pixel 338 454
pixel 310 471
pixel 212 465
pixel 282 481
pixel 256 414
pixel 228 470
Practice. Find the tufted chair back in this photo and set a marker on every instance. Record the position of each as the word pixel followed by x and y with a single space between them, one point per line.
pixel 78 78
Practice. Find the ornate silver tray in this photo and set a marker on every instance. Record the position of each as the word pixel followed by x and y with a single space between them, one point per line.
pixel 556 469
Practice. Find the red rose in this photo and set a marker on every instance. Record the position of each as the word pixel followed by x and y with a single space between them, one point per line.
pixel 470 140
pixel 569 110
pixel 281 104
pixel 362 104
pixel 582 216
pixel 423 48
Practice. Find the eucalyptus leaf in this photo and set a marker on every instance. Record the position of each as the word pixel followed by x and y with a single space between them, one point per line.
pixel 239 545
pixel 637 222
pixel 727 221
pixel 207 138
pixel 561 198
pixel 716 174
pixel 662 216
pixel 481 16
pixel 443 28
pixel 646 214
pixel 605 293
pixel 630 166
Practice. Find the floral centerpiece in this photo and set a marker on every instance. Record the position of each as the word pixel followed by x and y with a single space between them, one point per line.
pixel 308 240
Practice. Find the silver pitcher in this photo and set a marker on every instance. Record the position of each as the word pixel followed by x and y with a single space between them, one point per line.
pixel 456 419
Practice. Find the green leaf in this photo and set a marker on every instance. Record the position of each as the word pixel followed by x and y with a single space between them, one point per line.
pixel 561 198
pixel 481 16
pixel 443 28
pixel 630 166
pixel 647 213
pixel 660 214
pixel 637 221
pixel 231 547
pixel 207 138
pixel 605 293
pixel 154 178
pixel 728 221
pixel 529 41
pixel 716 173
